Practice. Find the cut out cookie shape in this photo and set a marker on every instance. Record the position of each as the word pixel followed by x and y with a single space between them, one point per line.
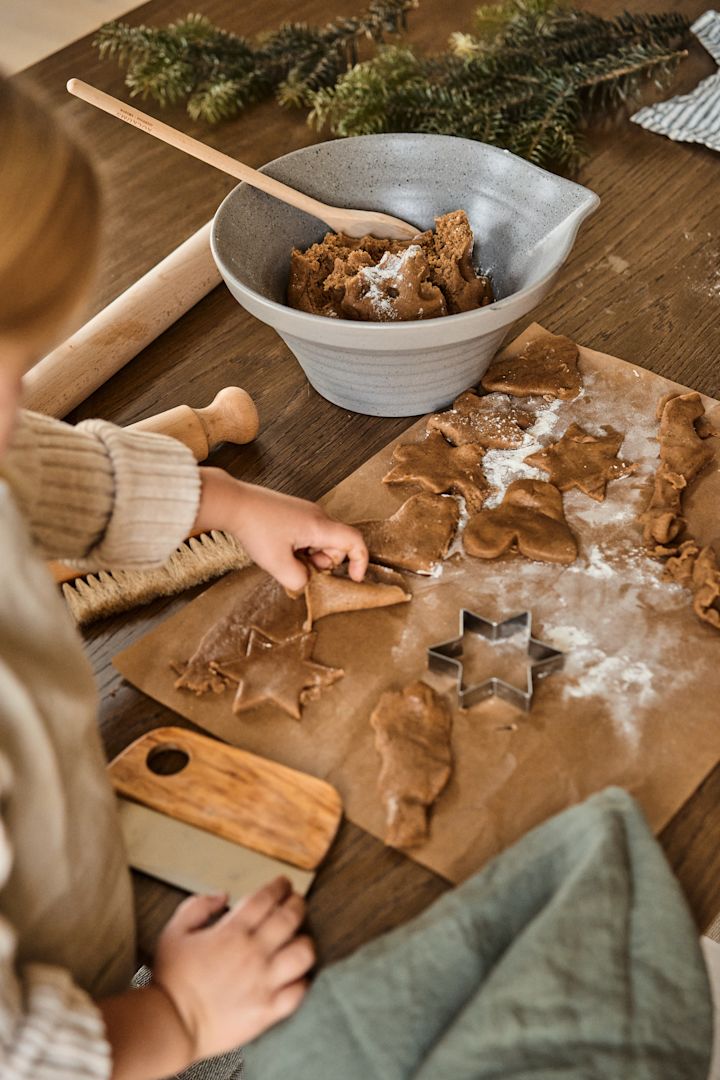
pixel 531 518
pixel 491 421
pixel 327 593
pixel 440 468
pixel 277 671
pixel 417 536
pixel 546 365
pixel 583 461
pixel 413 727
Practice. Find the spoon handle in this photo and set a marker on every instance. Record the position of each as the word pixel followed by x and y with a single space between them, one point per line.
pixel 208 154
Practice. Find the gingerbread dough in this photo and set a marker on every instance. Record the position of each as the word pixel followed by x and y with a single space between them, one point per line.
pixel 530 517
pixel 684 452
pixel 417 536
pixel 546 365
pixel 697 569
pixel 267 606
pixel 327 593
pixel 491 421
pixel 390 280
pixel 439 467
pixel 277 671
pixel 583 461
pixel 412 728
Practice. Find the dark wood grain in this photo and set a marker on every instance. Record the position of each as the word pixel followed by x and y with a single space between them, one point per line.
pixel 643 283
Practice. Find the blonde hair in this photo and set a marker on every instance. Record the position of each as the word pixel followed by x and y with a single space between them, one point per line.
pixel 49 216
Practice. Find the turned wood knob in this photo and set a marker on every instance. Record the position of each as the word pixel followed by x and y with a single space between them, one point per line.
pixel 230 417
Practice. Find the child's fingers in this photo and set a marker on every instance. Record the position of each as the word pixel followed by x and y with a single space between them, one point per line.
pixel 287 569
pixel 282 924
pixel 254 909
pixel 195 912
pixel 287 1000
pixel 340 541
pixel 292 962
pixel 323 560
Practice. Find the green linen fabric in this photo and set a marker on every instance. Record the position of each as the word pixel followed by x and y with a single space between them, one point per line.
pixel 572 955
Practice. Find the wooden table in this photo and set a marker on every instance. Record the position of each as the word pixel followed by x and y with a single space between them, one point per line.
pixel 643 283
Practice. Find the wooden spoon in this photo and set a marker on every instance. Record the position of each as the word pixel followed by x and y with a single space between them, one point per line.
pixel 351 222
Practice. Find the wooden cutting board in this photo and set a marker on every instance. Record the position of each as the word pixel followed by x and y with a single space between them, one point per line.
pixel 635 705
pixel 231 794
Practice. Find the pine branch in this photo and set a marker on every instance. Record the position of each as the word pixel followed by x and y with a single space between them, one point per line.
pixel 219 73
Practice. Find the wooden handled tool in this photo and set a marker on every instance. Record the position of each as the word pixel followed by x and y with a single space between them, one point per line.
pixel 95 352
pixel 230 417
pixel 232 794
pixel 350 221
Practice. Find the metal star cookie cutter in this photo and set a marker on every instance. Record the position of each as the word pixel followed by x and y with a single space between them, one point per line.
pixel 446 658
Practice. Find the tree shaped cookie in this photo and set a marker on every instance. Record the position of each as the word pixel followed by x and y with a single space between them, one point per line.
pixel 492 421
pixel 277 671
pixel 438 467
pixel 530 518
pixel 417 536
pixel 545 365
pixel 412 728
pixel 583 461
pixel 327 593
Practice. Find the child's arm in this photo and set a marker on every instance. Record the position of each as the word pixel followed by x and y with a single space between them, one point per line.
pixel 104 497
pixel 271 527
pixel 215 987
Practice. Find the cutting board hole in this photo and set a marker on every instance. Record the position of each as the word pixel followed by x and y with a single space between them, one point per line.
pixel 167 760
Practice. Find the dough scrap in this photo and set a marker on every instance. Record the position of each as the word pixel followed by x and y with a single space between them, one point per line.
pixel 684 453
pixel 531 517
pixel 336 277
pixel 413 728
pixel 266 606
pixel 327 593
pixel 440 468
pixel 491 420
pixel 583 461
pixel 546 365
pixel 278 671
pixel 396 289
pixel 698 569
pixel 417 536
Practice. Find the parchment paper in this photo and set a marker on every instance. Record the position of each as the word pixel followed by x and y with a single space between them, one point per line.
pixel 635 705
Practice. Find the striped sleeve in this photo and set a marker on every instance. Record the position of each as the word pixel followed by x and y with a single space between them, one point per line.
pixel 49 1028
pixel 101 496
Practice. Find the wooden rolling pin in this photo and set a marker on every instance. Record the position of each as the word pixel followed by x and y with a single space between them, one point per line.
pixel 95 352
pixel 230 417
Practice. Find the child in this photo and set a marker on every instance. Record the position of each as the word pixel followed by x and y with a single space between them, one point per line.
pixel 105 497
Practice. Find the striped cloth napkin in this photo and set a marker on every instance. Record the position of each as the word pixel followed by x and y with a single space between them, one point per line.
pixel 693 117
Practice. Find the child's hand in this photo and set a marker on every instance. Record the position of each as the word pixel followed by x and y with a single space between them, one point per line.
pixel 272 527
pixel 232 980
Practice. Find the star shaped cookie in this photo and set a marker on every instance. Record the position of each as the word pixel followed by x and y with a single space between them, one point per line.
pixel 529 518
pixel 546 365
pixel 417 536
pixel 493 421
pixel 583 461
pixel 438 467
pixel 277 671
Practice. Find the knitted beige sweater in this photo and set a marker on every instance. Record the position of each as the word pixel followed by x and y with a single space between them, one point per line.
pixel 112 498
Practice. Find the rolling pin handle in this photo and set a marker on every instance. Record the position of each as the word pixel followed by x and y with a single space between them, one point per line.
pixel 230 417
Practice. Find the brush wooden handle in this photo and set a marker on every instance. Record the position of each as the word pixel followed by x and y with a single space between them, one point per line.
pixel 228 792
pixel 230 417
pixel 95 352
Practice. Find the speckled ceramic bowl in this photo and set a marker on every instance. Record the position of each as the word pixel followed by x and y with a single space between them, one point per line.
pixel 524 219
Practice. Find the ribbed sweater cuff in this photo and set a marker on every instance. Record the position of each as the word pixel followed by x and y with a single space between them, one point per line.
pixel 102 496
pixel 60 1034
